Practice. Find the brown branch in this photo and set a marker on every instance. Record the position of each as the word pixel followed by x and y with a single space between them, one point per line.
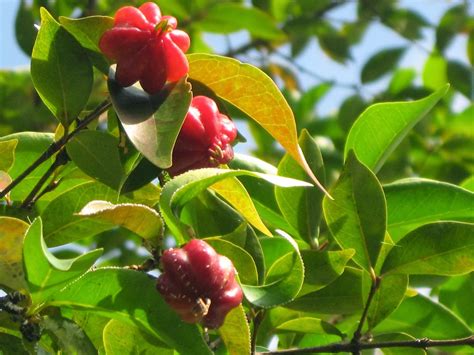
pixel 257 320
pixel 350 347
pixel 56 146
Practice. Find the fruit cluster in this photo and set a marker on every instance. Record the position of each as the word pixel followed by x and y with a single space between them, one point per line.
pixel 205 139
pixel 147 47
pixel 199 284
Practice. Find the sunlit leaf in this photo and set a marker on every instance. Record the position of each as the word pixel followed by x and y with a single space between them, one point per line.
pixel 309 325
pixel 7 152
pixel 46 274
pixel 131 296
pixel 456 294
pixel 381 128
pixel 443 248
pixel 152 122
pixel 414 202
pixel 235 332
pixel 12 232
pixel 184 187
pixel 61 70
pixel 254 93
pixel 357 215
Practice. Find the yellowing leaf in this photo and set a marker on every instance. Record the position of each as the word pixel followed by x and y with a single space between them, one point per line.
pixel 252 91
pixel 12 231
pixel 7 152
pixel 140 219
pixel 236 194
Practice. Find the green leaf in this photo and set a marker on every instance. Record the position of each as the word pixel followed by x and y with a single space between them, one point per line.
pixel 343 296
pixel 10 344
pixel 284 277
pixel 357 215
pixel 401 79
pixel 236 195
pixel 421 317
pixel 414 202
pixel 435 72
pixel 398 351
pixel 88 31
pixel 96 153
pixel 12 232
pixel 69 336
pixel 46 275
pixel 459 75
pixel 186 186
pixel 350 109
pixel 232 17
pixel 254 93
pixel 323 267
pixel 241 259
pixel 7 152
pixel 453 21
pixel 62 225
pixel 30 146
pixel 387 298
pixel 381 128
pixel 139 219
pixel 25 31
pixel 124 338
pixel 308 325
pixel 152 122
pixel 61 70
pixel 131 296
pixel 381 63
pixel 235 332
pixel 468 183
pixel 456 294
pixel 302 208
pixel 443 248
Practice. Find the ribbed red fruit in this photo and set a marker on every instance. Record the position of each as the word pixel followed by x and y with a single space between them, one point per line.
pixel 199 284
pixel 205 138
pixel 146 46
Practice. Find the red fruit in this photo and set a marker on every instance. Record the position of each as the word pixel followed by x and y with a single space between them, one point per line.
pixel 146 46
pixel 205 138
pixel 199 284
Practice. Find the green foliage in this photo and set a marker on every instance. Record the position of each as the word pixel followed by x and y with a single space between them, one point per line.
pixel 315 269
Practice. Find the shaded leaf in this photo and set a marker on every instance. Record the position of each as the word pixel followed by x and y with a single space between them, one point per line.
pixel 381 128
pixel 285 274
pixel 381 63
pixel 443 248
pixel 398 351
pixel 61 70
pixel 186 186
pixel 323 267
pixel 236 195
pixel 12 232
pixel 121 338
pixel 88 31
pixel 254 93
pixel 459 75
pixel 456 294
pixel 343 296
pixel 414 202
pixel 152 122
pixel 309 325
pixel 241 259
pixel 115 292
pixel 46 275
pixel 401 79
pixel 357 215
pixel 387 298
pixel 302 208
pixel 96 153
pixel 421 317
pixel 25 31
pixel 69 336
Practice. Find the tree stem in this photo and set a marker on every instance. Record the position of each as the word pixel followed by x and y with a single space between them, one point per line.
pixel 56 146
pixel 352 347
pixel 257 320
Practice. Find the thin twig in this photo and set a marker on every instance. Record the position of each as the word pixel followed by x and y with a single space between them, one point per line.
pixel 350 347
pixel 257 320
pixel 56 146
pixel 373 289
